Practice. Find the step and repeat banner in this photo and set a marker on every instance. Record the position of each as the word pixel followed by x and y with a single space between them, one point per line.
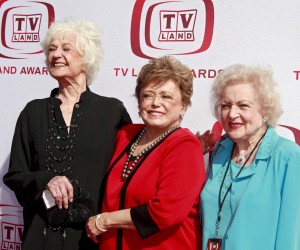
pixel 206 35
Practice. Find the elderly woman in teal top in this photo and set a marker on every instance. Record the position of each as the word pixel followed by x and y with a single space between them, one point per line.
pixel 251 200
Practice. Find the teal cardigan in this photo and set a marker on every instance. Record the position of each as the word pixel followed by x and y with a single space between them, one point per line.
pixel 262 209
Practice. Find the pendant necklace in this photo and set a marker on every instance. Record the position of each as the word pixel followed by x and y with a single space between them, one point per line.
pixel 241 159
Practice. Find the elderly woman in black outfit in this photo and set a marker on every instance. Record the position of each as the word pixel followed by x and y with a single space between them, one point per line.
pixel 69 135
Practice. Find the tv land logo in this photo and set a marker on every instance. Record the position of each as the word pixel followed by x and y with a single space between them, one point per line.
pixel 177 26
pixel 11 236
pixel 171 27
pixel 23 23
pixel 26 28
pixel 11 230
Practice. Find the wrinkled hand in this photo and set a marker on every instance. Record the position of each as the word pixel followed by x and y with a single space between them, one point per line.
pixel 207 140
pixel 91 230
pixel 61 190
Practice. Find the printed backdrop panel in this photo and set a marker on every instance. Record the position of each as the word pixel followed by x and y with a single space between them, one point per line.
pixel 206 35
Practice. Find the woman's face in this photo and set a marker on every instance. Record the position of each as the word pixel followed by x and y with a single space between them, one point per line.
pixel 241 115
pixel 161 105
pixel 64 61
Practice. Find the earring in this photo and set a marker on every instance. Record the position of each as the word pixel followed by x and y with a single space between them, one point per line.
pixel 181 115
pixel 139 113
pixel 265 119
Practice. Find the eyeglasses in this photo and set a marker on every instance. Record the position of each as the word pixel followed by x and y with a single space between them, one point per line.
pixel 162 97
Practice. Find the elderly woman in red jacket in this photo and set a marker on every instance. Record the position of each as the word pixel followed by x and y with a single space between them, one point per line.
pixel 151 189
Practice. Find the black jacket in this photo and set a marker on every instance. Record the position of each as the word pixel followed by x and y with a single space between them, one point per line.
pixel 28 176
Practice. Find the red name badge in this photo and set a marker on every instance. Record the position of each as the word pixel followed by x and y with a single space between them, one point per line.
pixel 214 244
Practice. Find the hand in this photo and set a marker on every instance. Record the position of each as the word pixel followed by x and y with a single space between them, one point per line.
pixel 61 190
pixel 91 230
pixel 207 141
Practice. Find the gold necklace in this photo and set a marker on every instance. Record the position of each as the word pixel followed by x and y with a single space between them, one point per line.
pixel 128 169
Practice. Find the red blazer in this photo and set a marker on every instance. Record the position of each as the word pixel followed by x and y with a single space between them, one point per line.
pixel 163 194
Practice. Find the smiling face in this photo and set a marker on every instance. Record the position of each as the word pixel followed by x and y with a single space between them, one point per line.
pixel 64 61
pixel 161 106
pixel 241 114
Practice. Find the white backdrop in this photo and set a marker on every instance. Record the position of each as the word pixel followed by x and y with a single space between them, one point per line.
pixel 218 33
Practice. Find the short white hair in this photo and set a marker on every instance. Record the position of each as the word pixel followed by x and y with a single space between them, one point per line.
pixel 262 81
pixel 88 42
